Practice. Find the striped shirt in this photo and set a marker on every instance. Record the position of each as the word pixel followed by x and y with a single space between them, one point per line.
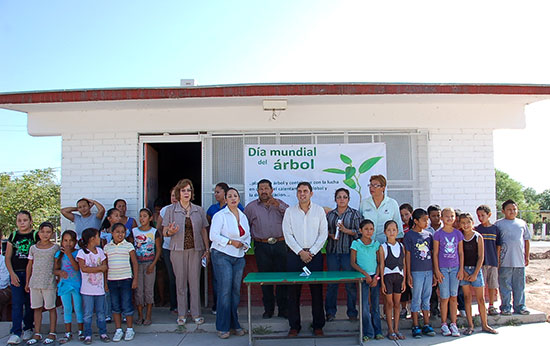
pixel 118 259
pixel 351 220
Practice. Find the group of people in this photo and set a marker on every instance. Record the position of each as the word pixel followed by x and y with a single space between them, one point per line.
pixel 430 253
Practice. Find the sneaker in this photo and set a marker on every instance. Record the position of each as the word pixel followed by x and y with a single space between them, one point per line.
pixel 462 313
pixel 118 335
pixel 379 337
pixel 104 338
pixel 88 340
pixel 445 330
pixel 108 319
pixel 129 336
pixel 506 313
pixel 81 335
pixel 27 334
pixel 416 332
pixel 454 330
pixel 492 311
pixel 403 313
pixel 428 330
pixel 524 312
pixel 14 340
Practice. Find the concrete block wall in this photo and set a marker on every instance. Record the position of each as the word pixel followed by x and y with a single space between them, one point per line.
pixel 461 168
pixel 102 166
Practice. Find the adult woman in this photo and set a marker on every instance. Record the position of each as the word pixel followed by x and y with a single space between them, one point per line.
pixel 129 222
pixel 346 220
pixel 230 235
pixel 380 208
pixel 186 223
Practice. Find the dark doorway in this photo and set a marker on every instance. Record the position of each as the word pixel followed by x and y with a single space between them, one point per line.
pixel 167 163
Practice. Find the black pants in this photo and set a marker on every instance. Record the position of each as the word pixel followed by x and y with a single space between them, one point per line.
pixel 271 258
pixel 295 264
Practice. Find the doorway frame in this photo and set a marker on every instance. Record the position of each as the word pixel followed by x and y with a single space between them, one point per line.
pixel 163 138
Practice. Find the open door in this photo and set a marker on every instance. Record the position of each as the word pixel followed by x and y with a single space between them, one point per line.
pixel 150 176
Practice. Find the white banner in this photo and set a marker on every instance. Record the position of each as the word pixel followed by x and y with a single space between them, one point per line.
pixel 326 167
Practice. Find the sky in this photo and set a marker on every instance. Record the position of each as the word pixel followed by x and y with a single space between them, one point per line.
pixel 112 44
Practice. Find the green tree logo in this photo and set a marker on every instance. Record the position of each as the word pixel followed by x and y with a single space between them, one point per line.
pixel 352 174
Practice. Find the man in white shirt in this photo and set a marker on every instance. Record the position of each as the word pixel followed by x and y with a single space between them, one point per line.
pixel 305 231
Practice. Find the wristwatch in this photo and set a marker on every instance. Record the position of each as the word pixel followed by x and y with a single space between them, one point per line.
pixel 229 242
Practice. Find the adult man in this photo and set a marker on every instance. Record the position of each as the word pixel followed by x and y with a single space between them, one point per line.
pixel 265 216
pixel 305 231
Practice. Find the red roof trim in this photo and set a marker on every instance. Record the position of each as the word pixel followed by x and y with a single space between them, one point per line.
pixel 268 90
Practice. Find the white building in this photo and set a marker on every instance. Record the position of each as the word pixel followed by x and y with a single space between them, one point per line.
pixel 136 143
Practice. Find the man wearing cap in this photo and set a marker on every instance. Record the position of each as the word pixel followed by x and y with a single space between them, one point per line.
pixel 265 216
pixel 306 231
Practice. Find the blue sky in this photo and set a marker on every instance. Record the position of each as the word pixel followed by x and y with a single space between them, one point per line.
pixel 104 44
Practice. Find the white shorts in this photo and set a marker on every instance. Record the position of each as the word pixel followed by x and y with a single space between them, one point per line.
pixel 45 298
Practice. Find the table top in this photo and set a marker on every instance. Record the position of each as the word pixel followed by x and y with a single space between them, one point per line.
pixel 294 277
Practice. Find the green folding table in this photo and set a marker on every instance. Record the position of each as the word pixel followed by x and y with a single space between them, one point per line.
pixel 294 278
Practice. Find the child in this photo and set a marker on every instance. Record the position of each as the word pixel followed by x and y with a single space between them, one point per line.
pixel 112 217
pixel 406 212
pixel 148 247
pixel 418 250
pixel 41 282
pixel 392 265
pixel 364 254
pixel 473 260
pixel 448 262
pixel 17 251
pixel 86 219
pixel 490 262
pixel 434 214
pixel 513 245
pixel 119 279
pixel 66 267
pixel 91 261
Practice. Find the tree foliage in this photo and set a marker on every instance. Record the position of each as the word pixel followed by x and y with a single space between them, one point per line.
pixel 526 198
pixel 36 191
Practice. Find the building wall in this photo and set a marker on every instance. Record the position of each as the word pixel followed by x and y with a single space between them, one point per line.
pixel 461 168
pixel 102 166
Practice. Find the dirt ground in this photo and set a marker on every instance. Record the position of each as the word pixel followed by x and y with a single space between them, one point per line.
pixel 537 292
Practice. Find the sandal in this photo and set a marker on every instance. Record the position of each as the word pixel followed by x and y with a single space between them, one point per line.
pixel 81 335
pixel 49 339
pixel 181 321
pixel 138 321
pixel 468 331
pixel 35 339
pixel 66 338
pixel 400 336
pixel 199 320
pixel 489 330
pixel 147 322
pixel 393 336
pixel 223 335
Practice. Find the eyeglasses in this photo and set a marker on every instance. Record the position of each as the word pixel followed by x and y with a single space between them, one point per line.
pixel 186 190
pixel 376 186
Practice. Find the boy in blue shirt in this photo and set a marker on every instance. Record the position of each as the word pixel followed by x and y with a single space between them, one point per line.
pixel 513 245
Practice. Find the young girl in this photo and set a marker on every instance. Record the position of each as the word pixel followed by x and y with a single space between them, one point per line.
pixel 17 251
pixel 120 254
pixel 93 269
pixel 364 254
pixel 406 210
pixel 112 217
pixel 41 282
pixel 448 262
pixel 66 267
pixel 391 259
pixel 473 278
pixel 148 247
pixel 418 256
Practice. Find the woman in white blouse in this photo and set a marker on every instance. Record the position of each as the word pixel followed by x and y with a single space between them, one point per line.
pixel 230 236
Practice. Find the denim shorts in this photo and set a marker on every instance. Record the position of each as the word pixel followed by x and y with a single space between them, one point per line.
pixel 478 282
pixel 449 286
pixel 121 296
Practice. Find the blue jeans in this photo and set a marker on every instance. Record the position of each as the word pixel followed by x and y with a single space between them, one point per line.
pixel 21 300
pixel 337 262
pixel 421 290
pixel 229 273
pixel 121 296
pixel 511 282
pixel 92 303
pixel 108 310
pixel 449 286
pixel 67 299
pixel 371 311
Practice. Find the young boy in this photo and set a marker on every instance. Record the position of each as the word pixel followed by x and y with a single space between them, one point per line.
pixel 490 263
pixel 513 246
pixel 86 219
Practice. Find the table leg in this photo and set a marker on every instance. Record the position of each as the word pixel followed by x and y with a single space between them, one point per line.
pixel 249 318
pixel 361 313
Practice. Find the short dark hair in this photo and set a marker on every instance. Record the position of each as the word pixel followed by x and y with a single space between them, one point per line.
pixel 466 216
pixel 433 207
pixel 305 183
pixel 222 186
pixel 505 204
pixel 365 222
pixel 265 181
pixel 116 202
pixel 485 208
pixel 341 190
pixel 406 206
pixel 416 215
pixel 46 224
pixel 234 189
